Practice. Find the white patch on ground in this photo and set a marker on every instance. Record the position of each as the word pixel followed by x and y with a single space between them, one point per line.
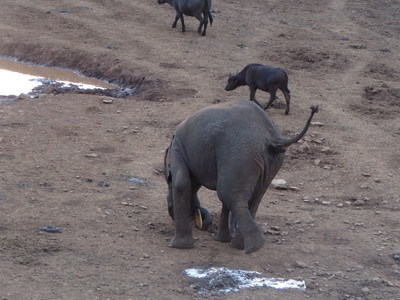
pixel 224 280
pixel 15 83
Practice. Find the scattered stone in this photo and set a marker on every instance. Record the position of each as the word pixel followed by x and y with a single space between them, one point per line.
pixel 91 155
pixel 50 229
pixel 326 202
pixel 275 228
pixel 294 188
pixel 358 47
pixel 311 285
pixel 136 180
pixel 317 162
pixel 396 257
pixel 279 184
pixel 289 270
pixel 317 141
pixel 304 147
pixel 366 174
pixel 365 290
pixel 377 180
pixel 103 184
pixel 364 186
pixel 317 124
pixel 359 202
pixel 108 101
pixel 326 150
pixel 300 264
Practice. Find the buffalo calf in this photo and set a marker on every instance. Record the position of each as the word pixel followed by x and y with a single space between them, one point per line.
pixel 265 78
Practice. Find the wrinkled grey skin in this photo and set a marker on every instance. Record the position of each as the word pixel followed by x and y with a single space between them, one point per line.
pixel 265 78
pixel 200 9
pixel 232 148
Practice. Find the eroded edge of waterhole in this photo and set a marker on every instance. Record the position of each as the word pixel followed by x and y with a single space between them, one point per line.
pixel 102 67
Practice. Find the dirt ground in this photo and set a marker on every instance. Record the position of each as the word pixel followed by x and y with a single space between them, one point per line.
pixel 65 160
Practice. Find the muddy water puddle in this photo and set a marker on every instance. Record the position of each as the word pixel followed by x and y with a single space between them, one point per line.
pixel 18 78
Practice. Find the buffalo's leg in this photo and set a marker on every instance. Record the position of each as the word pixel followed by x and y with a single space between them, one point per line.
pixel 287 98
pixel 203 22
pixel 175 22
pixel 182 194
pixel 223 234
pixel 253 90
pixel 271 99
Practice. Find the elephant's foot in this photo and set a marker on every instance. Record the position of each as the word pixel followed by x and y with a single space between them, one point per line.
pixel 223 236
pixel 184 242
pixel 254 242
pixel 237 241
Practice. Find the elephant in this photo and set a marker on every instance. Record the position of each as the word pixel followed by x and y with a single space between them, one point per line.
pixel 235 149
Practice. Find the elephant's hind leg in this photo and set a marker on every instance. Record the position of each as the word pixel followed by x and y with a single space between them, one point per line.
pixel 182 194
pixel 223 234
pixel 249 232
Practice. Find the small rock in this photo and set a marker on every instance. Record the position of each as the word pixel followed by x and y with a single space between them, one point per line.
pixel 365 290
pixel 317 141
pixel 396 257
pixel 304 147
pixel 92 155
pixel 103 184
pixel 326 150
pixel 359 202
pixel 326 202
pixel 294 188
pixel 366 174
pixel 311 285
pixel 317 162
pixel 51 229
pixel 289 270
pixel 108 101
pixel 300 264
pixel 317 124
pixel 279 184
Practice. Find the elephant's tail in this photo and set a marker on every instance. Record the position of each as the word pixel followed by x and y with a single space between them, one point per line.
pixel 286 142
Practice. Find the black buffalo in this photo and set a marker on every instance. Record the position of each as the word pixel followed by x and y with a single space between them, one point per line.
pixel 265 78
pixel 200 9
